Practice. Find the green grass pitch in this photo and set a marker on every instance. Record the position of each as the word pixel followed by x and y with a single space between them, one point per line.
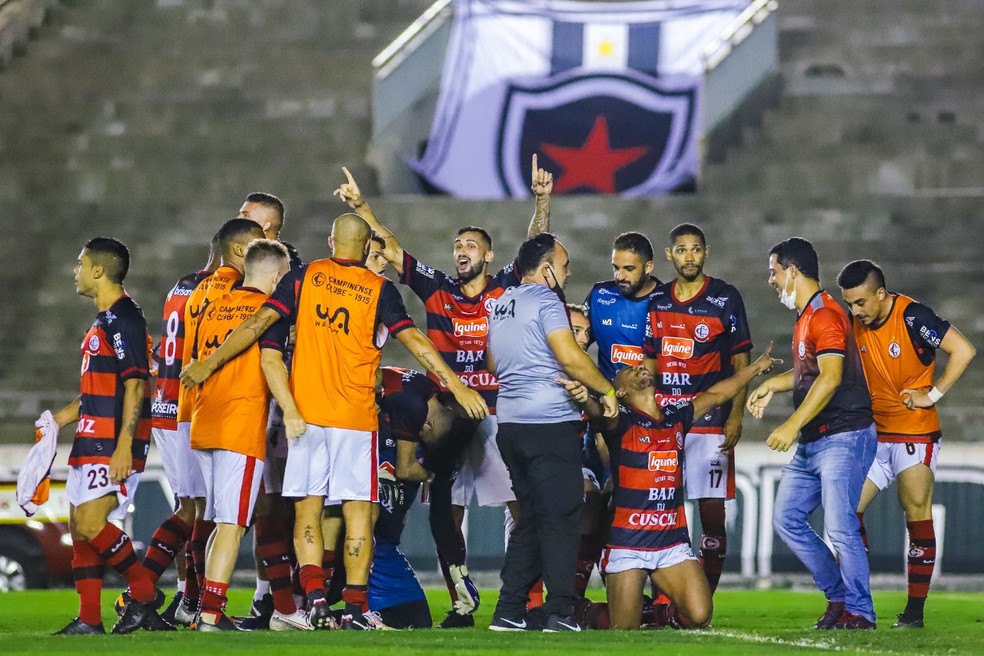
pixel 745 622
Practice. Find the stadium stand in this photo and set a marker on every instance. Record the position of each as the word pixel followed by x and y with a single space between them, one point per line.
pixel 151 120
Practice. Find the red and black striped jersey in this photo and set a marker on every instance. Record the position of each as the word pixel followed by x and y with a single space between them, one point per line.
pixel 694 343
pixel 115 350
pixel 404 398
pixel 164 407
pixel 647 470
pixel 458 325
pixel 824 328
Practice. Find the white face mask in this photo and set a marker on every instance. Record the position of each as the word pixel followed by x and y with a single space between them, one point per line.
pixel 789 300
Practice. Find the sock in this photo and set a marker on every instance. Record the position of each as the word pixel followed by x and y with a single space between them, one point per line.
pixel 312 578
pixel 589 551
pixel 193 591
pixel 213 600
pixel 116 550
pixel 87 570
pixel 328 565
pixel 355 598
pixel 919 568
pixel 180 587
pixel 274 548
pixel 199 540
pixel 713 543
pixel 446 572
pixel 712 552
pixel 172 533
pixel 262 589
pixel 536 595
pixel 861 529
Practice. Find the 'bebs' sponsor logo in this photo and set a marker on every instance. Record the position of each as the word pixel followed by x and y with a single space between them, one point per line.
pixel 664 461
pixel 471 327
pixel 119 347
pixel 659 519
pixel 678 347
pixel 627 355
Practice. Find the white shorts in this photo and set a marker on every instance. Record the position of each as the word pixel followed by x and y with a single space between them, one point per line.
pixel 482 475
pixel 190 481
pixel 176 456
pixel 232 481
pixel 894 457
pixel 708 472
pixel 336 463
pixel 614 561
pixel 90 482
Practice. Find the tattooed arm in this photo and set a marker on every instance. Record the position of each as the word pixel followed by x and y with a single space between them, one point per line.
pixel 423 350
pixel 121 462
pixel 245 335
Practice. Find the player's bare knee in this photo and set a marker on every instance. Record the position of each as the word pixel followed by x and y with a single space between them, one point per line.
pixel 186 510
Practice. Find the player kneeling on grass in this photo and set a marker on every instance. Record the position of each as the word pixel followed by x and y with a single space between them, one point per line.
pixel 228 427
pixel 649 537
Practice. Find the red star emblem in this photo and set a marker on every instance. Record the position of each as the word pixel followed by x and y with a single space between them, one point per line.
pixel 594 164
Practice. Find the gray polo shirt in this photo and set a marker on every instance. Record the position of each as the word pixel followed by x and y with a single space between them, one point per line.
pixel 519 322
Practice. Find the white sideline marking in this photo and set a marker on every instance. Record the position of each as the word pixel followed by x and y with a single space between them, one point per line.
pixel 822 644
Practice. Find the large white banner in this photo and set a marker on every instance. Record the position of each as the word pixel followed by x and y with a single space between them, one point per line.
pixel 608 94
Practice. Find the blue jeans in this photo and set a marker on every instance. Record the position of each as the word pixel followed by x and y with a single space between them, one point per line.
pixel 829 472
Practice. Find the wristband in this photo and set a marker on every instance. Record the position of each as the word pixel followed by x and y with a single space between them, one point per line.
pixel 935 395
pixel 611 392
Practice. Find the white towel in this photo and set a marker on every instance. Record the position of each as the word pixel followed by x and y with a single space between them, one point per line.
pixel 37 465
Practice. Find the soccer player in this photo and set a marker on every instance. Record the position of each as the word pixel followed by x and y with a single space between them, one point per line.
pixel 898 338
pixel 457 323
pixel 596 470
pixel 269 213
pixel 530 345
pixel 649 537
pixel 112 437
pixel 619 307
pixel 233 238
pixel 833 422
pixel 228 428
pixel 176 456
pixel 698 336
pixel 271 542
pixel 342 313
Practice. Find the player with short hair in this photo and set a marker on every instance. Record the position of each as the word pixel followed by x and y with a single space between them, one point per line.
pixel 342 313
pixel 233 237
pixel 228 428
pixel 618 307
pixel 833 423
pixel 172 535
pixel 457 324
pixel 112 438
pixel 898 338
pixel 649 539
pixel 699 335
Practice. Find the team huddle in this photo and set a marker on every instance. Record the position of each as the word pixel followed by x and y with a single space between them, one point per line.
pixel 270 408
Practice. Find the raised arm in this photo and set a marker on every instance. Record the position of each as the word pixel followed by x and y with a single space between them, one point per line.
pixel 245 335
pixel 730 388
pixel 423 350
pixel 542 186
pixel 961 352
pixel 350 193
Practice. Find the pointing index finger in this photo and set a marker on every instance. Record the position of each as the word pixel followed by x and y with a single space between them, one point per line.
pixel 535 168
pixel 348 175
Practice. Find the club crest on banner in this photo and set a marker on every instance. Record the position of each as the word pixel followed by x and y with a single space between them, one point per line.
pixel 601 134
